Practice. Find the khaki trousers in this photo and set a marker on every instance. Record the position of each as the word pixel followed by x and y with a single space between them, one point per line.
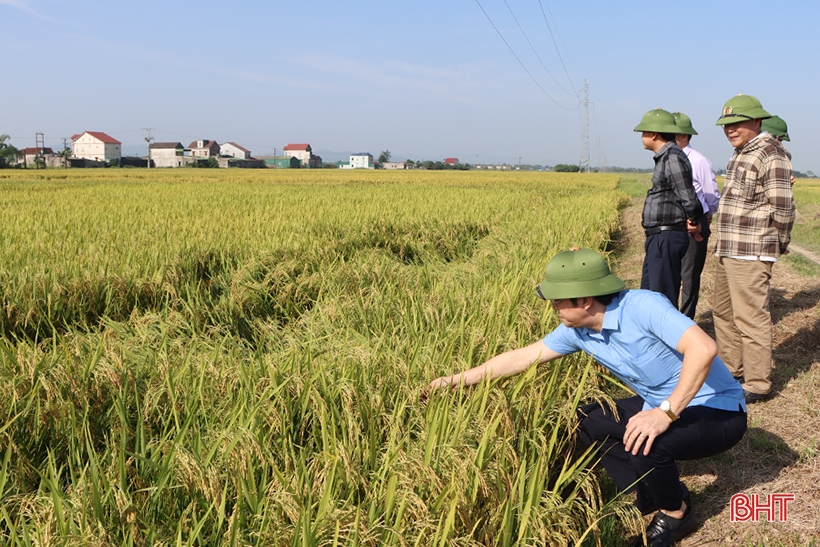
pixel 743 323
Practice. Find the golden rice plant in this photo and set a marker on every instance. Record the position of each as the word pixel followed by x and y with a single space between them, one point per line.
pixel 196 357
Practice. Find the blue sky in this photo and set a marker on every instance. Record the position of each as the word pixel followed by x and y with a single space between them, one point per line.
pixel 424 79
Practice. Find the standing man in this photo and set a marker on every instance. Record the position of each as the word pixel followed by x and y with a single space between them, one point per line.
pixel 687 406
pixel 753 226
pixel 776 127
pixel 671 209
pixel 703 180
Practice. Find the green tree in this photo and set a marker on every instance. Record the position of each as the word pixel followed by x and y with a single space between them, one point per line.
pixel 65 154
pixel 213 162
pixel 8 153
pixel 384 156
pixel 565 168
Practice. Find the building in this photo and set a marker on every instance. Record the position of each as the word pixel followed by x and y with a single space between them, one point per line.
pixel 283 162
pixel 96 146
pixel 29 156
pixel 304 153
pixel 394 165
pixel 235 151
pixel 362 160
pixel 204 149
pixel 167 154
pixel 450 161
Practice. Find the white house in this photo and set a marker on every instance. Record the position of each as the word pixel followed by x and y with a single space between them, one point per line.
pixel 167 154
pixel 96 145
pixel 360 161
pixel 235 151
pixel 394 165
pixel 302 152
pixel 204 148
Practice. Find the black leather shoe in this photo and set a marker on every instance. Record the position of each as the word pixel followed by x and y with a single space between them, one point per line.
pixel 687 499
pixel 664 530
pixel 752 397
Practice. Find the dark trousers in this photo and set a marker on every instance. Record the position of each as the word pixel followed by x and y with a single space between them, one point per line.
pixel 691 268
pixel 700 432
pixel 662 263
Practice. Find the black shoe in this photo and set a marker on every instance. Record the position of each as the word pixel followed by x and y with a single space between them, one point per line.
pixel 664 530
pixel 752 397
pixel 687 499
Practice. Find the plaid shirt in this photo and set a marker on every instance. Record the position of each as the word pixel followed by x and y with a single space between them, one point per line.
pixel 756 211
pixel 672 198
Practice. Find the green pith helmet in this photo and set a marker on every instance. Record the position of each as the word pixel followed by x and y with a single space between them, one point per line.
pixel 577 274
pixel 684 124
pixel 742 108
pixel 776 127
pixel 658 121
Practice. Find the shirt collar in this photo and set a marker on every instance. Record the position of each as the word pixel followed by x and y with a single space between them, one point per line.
pixel 612 315
pixel 664 149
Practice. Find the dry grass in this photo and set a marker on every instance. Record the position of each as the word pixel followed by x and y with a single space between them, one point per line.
pixel 780 450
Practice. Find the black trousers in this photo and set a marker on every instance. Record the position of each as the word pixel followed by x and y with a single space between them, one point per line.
pixel 662 263
pixel 700 432
pixel 691 268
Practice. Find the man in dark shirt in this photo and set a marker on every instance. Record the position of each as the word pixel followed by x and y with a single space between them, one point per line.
pixel 672 209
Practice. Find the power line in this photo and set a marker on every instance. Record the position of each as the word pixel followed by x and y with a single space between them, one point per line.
pixel 519 60
pixel 557 50
pixel 536 53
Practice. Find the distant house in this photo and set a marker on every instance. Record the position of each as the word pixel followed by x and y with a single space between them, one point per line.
pixel 235 151
pixel 304 153
pixel 393 165
pixel 96 146
pixel 301 152
pixel 363 160
pixel 28 156
pixel 204 149
pixel 450 161
pixel 283 162
pixel 167 154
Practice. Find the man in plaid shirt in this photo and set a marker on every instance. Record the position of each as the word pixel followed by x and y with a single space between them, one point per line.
pixel 753 226
pixel 671 209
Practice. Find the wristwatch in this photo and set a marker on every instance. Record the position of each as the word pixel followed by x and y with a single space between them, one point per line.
pixel 666 406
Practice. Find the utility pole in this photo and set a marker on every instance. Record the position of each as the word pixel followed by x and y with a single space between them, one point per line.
pixel 583 164
pixel 39 150
pixel 63 151
pixel 149 136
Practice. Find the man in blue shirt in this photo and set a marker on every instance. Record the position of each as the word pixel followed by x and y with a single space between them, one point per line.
pixel 688 405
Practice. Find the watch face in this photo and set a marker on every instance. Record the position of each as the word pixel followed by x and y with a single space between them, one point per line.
pixel 666 405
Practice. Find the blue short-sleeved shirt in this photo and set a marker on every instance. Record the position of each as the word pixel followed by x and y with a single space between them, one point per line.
pixel 637 342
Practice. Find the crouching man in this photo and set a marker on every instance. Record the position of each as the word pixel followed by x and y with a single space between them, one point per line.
pixel 687 404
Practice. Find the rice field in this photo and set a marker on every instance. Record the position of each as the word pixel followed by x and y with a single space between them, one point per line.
pixel 236 357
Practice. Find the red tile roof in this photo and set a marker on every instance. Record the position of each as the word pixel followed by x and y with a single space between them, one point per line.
pixel 99 135
pixel 451 161
pixel 31 151
pixel 297 147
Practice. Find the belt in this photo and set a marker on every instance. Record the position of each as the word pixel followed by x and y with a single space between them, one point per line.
pixel 680 227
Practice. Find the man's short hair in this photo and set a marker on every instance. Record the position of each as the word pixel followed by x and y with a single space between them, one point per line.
pixel 668 137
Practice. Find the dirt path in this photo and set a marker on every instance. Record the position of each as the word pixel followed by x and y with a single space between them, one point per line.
pixel 780 452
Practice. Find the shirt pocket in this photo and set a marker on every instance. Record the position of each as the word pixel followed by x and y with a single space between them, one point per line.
pixel 648 370
pixel 744 185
